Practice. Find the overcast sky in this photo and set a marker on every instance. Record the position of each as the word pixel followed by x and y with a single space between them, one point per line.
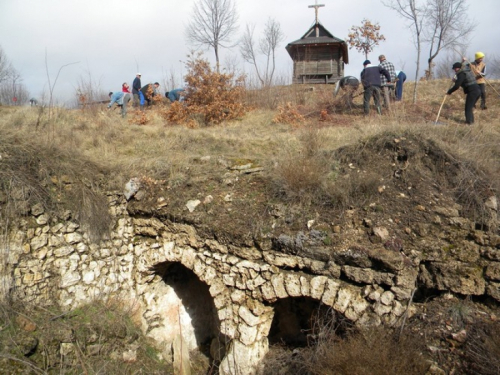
pixel 112 39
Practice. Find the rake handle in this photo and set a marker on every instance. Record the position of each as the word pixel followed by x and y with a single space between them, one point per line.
pixel 440 108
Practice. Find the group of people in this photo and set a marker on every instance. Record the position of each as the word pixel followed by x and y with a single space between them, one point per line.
pixel 471 77
pixel 140 95
pixel 382 78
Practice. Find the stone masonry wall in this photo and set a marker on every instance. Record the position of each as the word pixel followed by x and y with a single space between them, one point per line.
pixel 47 261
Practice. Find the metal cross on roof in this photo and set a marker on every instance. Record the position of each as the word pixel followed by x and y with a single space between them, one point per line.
pixel 316 6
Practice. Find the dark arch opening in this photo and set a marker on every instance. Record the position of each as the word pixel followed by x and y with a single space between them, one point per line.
pixel 298 322
pixel 196 299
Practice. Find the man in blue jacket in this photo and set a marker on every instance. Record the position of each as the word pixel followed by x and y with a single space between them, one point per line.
pixel 136 89
pixel 121 99
pixel 370 78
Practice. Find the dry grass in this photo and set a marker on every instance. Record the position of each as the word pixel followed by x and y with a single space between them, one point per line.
pixel 372 351
pixel 87 340
pixel 75 140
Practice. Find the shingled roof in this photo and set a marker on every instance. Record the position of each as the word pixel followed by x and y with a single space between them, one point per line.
pixel 322 37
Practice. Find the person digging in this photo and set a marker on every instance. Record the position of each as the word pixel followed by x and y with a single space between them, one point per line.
pixel 465 79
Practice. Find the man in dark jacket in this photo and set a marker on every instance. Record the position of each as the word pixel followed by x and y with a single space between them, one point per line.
pixel 370 78
pixel 467 81
pixel 136 88
pixel 149 91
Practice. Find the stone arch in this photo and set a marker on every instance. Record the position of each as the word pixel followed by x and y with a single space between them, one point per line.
pixel 185 307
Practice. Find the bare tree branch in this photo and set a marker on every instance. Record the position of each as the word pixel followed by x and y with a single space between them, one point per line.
pixel 213 24
pixel 415 12
pixel 268 44
pixel 447 26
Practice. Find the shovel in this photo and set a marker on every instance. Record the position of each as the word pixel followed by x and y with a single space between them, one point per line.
pixel 440 108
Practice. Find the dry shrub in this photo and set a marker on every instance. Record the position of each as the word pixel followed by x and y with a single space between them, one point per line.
pixel 482 349
pixel 176 113
pixel 370 351
pixel 139 118
pixel 288 114
pixel 215 96
pixel 302 173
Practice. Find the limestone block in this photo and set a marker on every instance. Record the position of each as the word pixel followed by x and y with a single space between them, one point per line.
pixel 88 277
pixel 42 219
pixel 268 293
pixel 493 290
pixel 369 319
pixel 264 327
pixel 375 294
pixel 38 242
pixel 216 287
pixel 318 286
pixel 73 238
pixel 407 278
pixel 222 300
pixel 386 298
pixel 238 296
pixel 401 293
pixel 57 227
pixel 292 284
pixel 358 304
pixel 278 282
pixel 458 277
pixel 82 248
pixel 305 287
pixel 248 264
pixel 493 271
pixel 344 296
pixel 250 253
pixel 69 278
pixel 209 275
pixel 243 359
pixel 248 317
pixel 64 251
pixel 255 283
pixel 42 253
pixel 228 280
pixel 381 309
pixel 397 308
pixel 56 240
pixel 71 227
pixel 359 275
pixel 331 289
pixel 228 328
pixel 248 334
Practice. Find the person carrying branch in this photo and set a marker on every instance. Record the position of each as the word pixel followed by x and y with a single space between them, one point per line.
pixel 465 79
pixel 478 68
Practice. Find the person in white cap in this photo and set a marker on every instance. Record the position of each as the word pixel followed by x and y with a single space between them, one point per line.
pixel 136 89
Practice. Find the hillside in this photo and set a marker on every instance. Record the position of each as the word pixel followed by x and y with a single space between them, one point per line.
pixel 389 185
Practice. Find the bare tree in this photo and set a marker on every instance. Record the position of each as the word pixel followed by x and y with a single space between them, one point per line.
pixel 5 66
pixel 213 24
pixel 268 44
pixel 365 37
pixel 52 86
pixel 447 26
pixel 13 87
pixel 413 11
